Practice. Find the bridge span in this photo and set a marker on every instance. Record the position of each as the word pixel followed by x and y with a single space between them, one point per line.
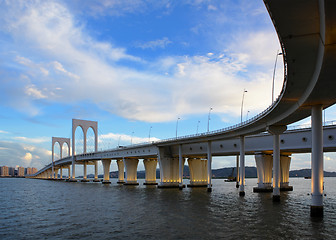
pixel 306 31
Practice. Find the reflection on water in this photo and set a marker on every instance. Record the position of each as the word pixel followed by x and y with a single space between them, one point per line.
pixel 38 209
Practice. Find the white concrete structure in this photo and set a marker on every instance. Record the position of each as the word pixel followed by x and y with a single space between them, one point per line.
pixel 264 163
pixel 106 166
pixel 84 125
pixel 276 131
pixel 121 171
pixel 198 168
pixel 131 166
pixel 61 142
pixel 150 168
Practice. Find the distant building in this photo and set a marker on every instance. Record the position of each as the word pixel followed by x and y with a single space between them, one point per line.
pixel 34 170
pixel 4 171
pixel 21 172
pixel 11 171
pixel 28 171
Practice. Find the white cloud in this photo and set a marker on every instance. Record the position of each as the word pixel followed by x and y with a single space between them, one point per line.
pixel 159 43
pixel 27 157
pixel 32 140
pixel 22 154
pixel 59 67
pixel 33 92
pixel 4 132
pixel 81 68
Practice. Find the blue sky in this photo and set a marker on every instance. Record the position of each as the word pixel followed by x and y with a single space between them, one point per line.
pixel 132 65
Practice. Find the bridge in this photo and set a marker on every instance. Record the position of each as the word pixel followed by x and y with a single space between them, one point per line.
pixel 306 31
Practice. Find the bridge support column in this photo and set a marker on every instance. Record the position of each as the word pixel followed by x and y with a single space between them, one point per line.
pixel 85 172
pixel 242 167
pixel 106 166
pixel 52 170
pixel 150 168
pixel 198 172
pixel 48 174
pixel 131 166
pixel 237 172
pixel 276 131
pixel 61 173
pixel 56 173
pixel 264 164
pixel 121 171
pixel 209 166
pixel 73 177
pixel 181 167
pixel 96 172
pixel 284 181
pixel 169 169
pixel 69 173
pixel 316 208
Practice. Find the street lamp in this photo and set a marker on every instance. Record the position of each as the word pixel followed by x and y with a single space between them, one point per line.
pixel 177 125
pixel 132 138
pixel 241 109
pixel 209 118
pixel 149 133
pixel 276 59
pixel 197 126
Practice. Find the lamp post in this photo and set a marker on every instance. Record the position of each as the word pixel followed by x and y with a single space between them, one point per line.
pixel 209 118
pixel 197 126
pixel 177 125
pixel 149 133
pixel 241 109
pixel 132 138
pixel 276 60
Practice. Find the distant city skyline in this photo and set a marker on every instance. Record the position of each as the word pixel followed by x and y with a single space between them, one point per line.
pixel 136 69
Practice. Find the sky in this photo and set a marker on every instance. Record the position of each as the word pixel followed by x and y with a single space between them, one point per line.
pixel 141 68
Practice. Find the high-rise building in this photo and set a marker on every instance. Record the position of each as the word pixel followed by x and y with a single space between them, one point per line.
pixel 34 170
pixel 28 171
pixel 11 171
pixel 21 172
pixel 4 171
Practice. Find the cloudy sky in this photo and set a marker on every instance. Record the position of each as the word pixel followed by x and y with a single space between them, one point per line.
pixel 135 66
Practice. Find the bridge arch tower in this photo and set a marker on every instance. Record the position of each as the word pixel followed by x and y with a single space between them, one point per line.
pixel 61 142
pixel 85 125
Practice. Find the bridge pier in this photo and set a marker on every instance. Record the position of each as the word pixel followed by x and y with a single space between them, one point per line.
pixel 85 172
pixel 198 172
pixel 106 166
pixel 73 177
pixel 56 174
pixel 242 167
pixel 264 164
pixel 150 169
pixel 169 170
pixel 121 171
pixel 237 172
pixel 96 172
pixel 61 173
pixel 131 166
pixel 284 181
pixel 316 208
pixel 209 163
pixel 181 166
pixel 276 131
pixel 69 173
